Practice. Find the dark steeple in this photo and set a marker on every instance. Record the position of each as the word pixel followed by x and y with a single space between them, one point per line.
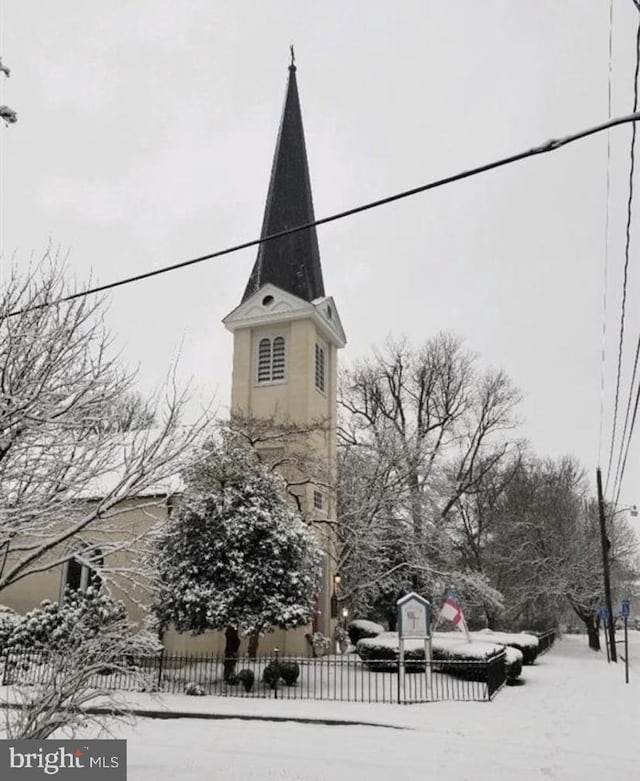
pixel 292 263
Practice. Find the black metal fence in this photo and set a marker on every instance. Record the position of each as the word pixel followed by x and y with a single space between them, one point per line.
pixel 337 678
pixel 545 641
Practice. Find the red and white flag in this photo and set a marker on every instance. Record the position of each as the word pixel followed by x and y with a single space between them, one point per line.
pixel 452 611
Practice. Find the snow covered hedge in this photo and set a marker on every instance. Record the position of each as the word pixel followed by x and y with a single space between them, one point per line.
pixel 513 663
pixel 526 643
pixel 361 628
pixel 450 650
pixel 8 620
pixel 54 625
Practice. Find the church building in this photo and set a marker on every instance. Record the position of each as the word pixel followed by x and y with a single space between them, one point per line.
pixel 286 335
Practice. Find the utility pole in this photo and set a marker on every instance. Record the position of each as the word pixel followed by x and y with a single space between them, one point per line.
pixel 605 567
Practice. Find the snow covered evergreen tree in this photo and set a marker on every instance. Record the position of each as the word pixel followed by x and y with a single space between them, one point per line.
pixel 237 556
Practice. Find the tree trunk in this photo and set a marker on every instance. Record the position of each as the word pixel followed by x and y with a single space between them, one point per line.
pixel 231 652
pixel 254 640
pixel 491 618
pixel 592 633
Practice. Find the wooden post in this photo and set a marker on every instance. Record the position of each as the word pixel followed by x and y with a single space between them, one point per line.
pixel 605 567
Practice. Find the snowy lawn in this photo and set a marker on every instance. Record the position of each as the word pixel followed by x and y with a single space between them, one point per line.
pixel 574 718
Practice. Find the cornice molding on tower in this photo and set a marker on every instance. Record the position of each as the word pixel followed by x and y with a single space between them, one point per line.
pixel 284 307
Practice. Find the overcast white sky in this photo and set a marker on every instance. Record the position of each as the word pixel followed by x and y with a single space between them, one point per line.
pixel 146 132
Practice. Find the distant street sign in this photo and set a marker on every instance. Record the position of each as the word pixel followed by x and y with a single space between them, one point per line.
pixel 625 608
pixel 603 613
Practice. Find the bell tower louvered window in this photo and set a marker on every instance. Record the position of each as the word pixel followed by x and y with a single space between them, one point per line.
pixel 271 364
pixel 321 371
pixel 277 362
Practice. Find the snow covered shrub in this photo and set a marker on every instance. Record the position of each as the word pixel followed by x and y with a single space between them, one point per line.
pixel 320 643
pixel 512 664
pixel 57 626
pixel 381 654
pixel 271 674
pixel 56 656
pixel 246 678
pixel 289 672
pixel 341 636
pixel 194 689
pixel 526 643
pixel 362 628
pixel 8 619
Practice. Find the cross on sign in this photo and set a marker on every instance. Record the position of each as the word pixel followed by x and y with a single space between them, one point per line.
pixel 413 617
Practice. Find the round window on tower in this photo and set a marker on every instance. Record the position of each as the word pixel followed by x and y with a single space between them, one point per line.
pixel 267 301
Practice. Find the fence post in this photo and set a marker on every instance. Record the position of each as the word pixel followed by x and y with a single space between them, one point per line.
pixel 160 668
pixel 276 673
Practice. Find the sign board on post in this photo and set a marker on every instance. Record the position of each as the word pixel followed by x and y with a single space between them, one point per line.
pixel 625 608
pixel 414 622
pixel 414 616
pixel 603 613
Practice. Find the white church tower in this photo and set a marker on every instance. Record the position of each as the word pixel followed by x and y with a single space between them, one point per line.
pixel 287 332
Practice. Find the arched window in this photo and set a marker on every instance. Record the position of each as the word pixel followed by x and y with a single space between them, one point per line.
pixel 264 360
pixel 271 365
pixel 277 364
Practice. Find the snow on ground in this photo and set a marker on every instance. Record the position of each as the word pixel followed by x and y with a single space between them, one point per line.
pixel 573 718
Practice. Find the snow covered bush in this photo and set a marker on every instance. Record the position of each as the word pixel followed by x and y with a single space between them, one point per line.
pixel 237 556
pixel 60 626
pixel 361 628
pixel 320 644
pixel 56 659
pixel 341 636
pixel 289 672
pixel 8 619
pixel 246 678
pixel 271 674
pixel 284 670
pixel 194 689
pixel 512 663
pixel 527 643
pixel 381 653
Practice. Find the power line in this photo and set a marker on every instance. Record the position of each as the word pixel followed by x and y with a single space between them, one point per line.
pixel 603 355
pixel 548 146
pixel 618 477
pixel 626 452
pixel 623 306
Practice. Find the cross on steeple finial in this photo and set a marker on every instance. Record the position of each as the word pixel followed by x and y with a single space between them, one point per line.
pixel 293 57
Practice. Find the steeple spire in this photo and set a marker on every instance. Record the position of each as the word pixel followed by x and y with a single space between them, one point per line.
pixel 292 263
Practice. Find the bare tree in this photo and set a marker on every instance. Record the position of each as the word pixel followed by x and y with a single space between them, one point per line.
pixel 544 551
pixel 421 429
pixel 63 470
pixel 132 413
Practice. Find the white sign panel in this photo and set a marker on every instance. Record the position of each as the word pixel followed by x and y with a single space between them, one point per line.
pixel 414 617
